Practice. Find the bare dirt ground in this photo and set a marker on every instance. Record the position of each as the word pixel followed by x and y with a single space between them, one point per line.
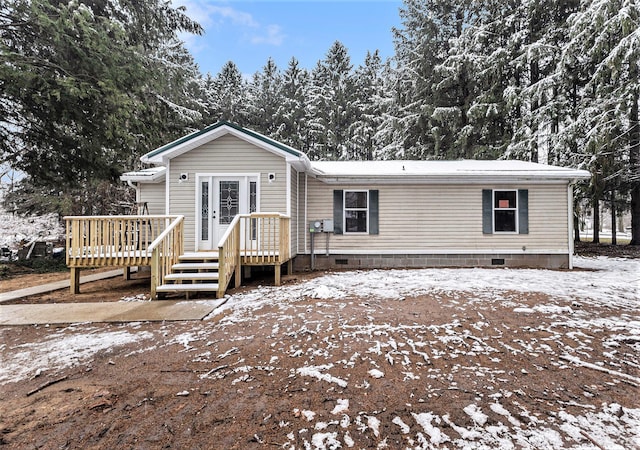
pixel 441 370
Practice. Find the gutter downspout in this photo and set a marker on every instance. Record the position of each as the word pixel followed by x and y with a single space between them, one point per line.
pixel 135 186
pixel 570 222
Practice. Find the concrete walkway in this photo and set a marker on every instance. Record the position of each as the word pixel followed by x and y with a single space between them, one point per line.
pixel 56 285
pixel 65 313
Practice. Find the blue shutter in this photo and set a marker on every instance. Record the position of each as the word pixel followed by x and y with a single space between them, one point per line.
pixel 523 211
pixel 487 211
pixel 373 212
pixel 338 199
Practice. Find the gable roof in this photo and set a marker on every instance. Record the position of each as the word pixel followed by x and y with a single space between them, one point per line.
pixel 385 172
pixel 182 145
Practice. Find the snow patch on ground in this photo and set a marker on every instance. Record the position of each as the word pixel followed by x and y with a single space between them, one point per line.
pixel 556 327
pixel 316 372
pixel 63 349
pixel 595 280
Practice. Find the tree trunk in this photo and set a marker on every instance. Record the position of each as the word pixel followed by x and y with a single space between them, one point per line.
pixel 634 163
pixel 596 218
pixel 534 72
pixel 614 239
pixel 576 227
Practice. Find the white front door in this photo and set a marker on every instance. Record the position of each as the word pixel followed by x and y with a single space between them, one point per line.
pixel 221 198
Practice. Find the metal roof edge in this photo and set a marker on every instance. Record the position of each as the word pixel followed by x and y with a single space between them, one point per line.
pixel 149 177
pixel 166 150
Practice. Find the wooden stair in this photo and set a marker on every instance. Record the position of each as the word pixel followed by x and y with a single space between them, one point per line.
pixel 196 272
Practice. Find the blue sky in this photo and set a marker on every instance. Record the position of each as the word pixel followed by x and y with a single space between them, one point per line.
pixel 248 32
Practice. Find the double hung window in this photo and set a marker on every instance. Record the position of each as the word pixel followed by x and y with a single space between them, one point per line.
pixel 356 212
pixel 505 211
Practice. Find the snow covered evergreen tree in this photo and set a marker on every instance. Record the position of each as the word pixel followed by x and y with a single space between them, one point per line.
pixel 331 104
pixel 292 117
pixel 604 44
pixel 264 98
pixel 226 95
pixel 368 109
pixel 433 104
pixel 80 91
pixel 86 87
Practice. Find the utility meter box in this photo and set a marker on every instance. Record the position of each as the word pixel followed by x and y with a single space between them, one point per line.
pixel 321 226
pixel 327 225
pixel 315 226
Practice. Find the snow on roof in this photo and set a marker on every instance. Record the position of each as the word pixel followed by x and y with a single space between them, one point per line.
pixel 148 175
pixel 442 169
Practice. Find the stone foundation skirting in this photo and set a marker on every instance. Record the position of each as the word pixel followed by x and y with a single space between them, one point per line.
pixel 386 261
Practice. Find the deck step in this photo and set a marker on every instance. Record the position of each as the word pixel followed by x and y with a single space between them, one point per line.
pixel 196 287
pixel 191 276
pixel 196 266
pixel 201 256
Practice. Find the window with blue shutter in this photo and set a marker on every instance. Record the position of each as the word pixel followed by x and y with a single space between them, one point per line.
pixel 355 211
pixel 337 211
pixel 505 211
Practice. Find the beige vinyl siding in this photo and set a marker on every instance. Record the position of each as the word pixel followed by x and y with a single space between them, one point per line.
pixel 154 195
pixel 446 218
pixel 231 155
pixel 302 210
pixel 294 211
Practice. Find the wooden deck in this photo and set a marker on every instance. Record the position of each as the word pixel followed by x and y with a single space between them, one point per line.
pixel 259 239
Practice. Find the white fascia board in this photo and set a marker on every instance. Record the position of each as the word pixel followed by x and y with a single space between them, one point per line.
pixel 145 176
pixel 180 149
pixel 497 178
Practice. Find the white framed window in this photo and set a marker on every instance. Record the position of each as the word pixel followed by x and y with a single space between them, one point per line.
pixel 505 211
pixel 356 211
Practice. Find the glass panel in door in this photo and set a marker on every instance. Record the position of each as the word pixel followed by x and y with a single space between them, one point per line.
pixel 229 201
pixel 204 211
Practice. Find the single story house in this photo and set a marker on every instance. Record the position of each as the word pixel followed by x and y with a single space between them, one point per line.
pixel 370 214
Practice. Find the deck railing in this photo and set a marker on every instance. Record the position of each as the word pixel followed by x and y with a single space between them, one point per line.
pixel 120 241
pixel 165 252
pixel 229 259
pixel 257 239
pixel 265 238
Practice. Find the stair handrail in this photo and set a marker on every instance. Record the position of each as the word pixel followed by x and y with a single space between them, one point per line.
pixel 165 252
pixel 229 260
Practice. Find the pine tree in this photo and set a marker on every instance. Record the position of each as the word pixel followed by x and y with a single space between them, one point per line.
pixel 226 94
pixel 292 117
pixel 604 46
pixel 331 105
pixel 368 109
pixel 79 92
pixel 264 99
pixel 433 103
pixel 390 134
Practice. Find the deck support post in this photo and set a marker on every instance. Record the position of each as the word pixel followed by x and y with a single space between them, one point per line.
pixel 155 273
pixel 238 275
pixel 75 280
pixel 278 270
pixel 290 266
pixel 126 273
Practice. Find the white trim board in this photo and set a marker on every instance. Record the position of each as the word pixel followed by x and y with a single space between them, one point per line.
pixel 427 252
